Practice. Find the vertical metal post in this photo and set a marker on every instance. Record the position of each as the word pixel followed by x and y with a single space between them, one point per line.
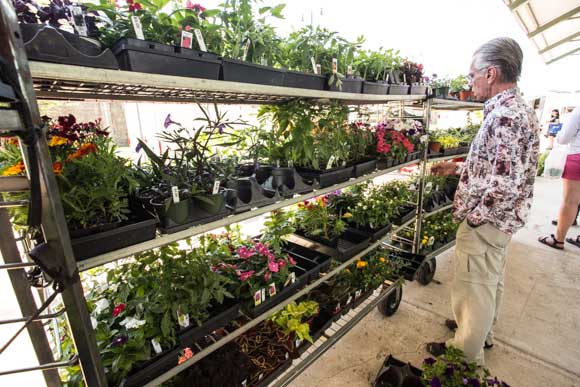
pixel 54 226
pixel 25 298
pixel 427 119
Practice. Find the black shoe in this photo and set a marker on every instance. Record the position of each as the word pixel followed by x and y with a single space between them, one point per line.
pixel 487 346
pixel 555 223
pixel 451 325
pixel 436 349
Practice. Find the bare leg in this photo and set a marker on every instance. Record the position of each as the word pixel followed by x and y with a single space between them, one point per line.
pixel 569 208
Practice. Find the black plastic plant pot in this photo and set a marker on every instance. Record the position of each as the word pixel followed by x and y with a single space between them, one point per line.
pixel 321 323
pixel 47 44
pixel 289 183
pixel 304 80
pixel 268 379
pixel 364 168
pixel 418 90
pixel 245 194
pixel 326 178
pixel 153 368
pixel 174 215
pixel 398 89
pixel 350 244
pixel 219 320
pixel 441 92
pixel 348 85
pixel 408 213
pixel 411 263
pixel 375 234
pixel 240 71
pixel 91 245
pixel 397 373
pixel 254 311
pixel 380 88
pixel 363 297
pixel 333 242
pixel 385 163
pixel 156 58
pixel 312 261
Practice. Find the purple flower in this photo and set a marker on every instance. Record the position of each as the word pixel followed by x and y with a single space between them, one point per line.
pixel 169 121
pixel 120 340
pixel 221 128
pixel 449 371
pixel 474 382
pixel 465 381
pixel 138 147
pixel 429 361
pixel 435 382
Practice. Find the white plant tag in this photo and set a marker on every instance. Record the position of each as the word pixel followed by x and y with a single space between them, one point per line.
pixel 264 62
pixel 292 277
pixel 186 39
pixel 175 193
pixel 357 294
pixel 287 356
pixel 318 69
pixel 272 289
pixel 412 187
pixel 334 65
pixel 78 20
pixel 290 164
pixel 428 187
pixel 156 346
pixel 277 163
pixel 330 162
pixel 258 298
pixel 436 188
pixel 183 320
pixel 263 293
pixel 246 48
pixel 313 62
pixel 245 383
pixel 216 187
pixel 260 376
pixel 349 71
pixel 137 27
pixel 200 41
pixel 349 299
pixel 298 342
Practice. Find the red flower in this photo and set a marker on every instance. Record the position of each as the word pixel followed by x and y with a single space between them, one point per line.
pixel 188 28
pixel 118 309
pixel 134 6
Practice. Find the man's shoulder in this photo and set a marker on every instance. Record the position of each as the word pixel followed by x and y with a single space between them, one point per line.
pixel 514 112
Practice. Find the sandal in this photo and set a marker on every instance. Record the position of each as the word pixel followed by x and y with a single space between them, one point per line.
pixel 555 223
pixel 553 242
pixel 574 241
pixel 436 349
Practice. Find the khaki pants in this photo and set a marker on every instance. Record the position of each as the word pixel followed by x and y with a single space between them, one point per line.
pixel 477 290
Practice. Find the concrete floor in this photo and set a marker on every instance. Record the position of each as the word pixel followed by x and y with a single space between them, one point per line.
pixel 537 337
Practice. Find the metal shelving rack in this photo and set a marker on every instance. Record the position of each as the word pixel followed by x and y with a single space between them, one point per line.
pixel 63 82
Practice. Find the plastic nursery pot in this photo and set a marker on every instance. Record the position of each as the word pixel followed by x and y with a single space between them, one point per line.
pixel 364 168
pixel 173 214
pixel 418 89
pixel 347 85
pixel 380 88
pixel 47 44
pixel 240 71
pixel 441 92
pixel 398 89
pixel 464 95
pixel 157 58
pixel 434 146
pixel 304 80
pixel 327 177
pixel 288 182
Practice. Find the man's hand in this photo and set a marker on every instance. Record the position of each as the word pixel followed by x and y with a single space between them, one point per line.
pixel 444 168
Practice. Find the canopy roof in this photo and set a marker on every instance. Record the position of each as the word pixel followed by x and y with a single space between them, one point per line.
pixel 552 25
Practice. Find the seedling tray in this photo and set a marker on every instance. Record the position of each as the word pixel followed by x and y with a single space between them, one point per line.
pixel 312 261
pixel 395 89
pixel 418 90
pixel 412 262
pixel 254 311
pixel 192 334
pixel 364 168
pixel 245 194
pixel 323 241
pixel 199 217
pixel 304 80
pixel 351 244
pixel 408 214
pixel 240 71
pixel 275 374
pixel 385 163
pixel 152 368
pixel 358 301
pixel 327 177
pixel 374 234
pixel 289 183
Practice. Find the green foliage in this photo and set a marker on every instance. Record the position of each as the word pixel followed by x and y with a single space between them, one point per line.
pixel 375 65
pixel 458 84
pixel 293 318
pixel 542 162
pixel 276 226
pixel 316 218
pixel 361 141
pixel 372 270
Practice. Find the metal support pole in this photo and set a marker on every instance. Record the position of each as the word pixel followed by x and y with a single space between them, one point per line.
pixel 53 222
pixel 421 190
pixel 10 254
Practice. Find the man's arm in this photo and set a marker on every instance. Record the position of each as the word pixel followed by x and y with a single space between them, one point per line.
pixel 570 128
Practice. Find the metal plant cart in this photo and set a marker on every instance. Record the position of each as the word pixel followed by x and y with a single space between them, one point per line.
pixel 20 116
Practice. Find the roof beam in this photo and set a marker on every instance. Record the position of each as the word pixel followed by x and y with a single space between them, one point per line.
pixel 559 42
pixel 563 55
pixel 515 4
pixel 553 22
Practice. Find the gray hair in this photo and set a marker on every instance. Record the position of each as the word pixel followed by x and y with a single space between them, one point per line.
pixel 504 53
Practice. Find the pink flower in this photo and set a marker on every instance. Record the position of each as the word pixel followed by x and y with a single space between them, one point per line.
pixel 245 275
pixel 281 263
pixel 292 261
pixel 118 309
pixel 187 354
pixel 245 253
pixel 267 276
pixel 273 267
pixel 188 28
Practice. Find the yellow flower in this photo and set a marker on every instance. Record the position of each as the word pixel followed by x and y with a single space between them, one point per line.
pixel 361 264
pixel 14 170
pixel 57 141
pixel 347 215
pixel 382 259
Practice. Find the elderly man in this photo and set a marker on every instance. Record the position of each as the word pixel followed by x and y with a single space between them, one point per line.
pixel 494 196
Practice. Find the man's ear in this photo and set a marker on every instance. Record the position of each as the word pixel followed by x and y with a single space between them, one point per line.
pixel 492 74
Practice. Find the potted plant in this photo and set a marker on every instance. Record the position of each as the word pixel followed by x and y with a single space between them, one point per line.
pixel 362 144
pixel 56 31
pixel 414 76
pixel 249 45
pixel 393 143
pixel 439 87
pixel 374 67
pixel 156 44
pixel 314 219
pixel 459 86
pixel 295 320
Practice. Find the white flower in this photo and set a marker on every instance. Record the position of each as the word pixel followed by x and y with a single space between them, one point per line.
pixel 101 305
pixel 132 322
pixel 424 138
pixel 94 322
pixel 431 241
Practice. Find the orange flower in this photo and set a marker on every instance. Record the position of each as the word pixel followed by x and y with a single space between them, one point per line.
pixel 57 168
pixel 57 141
pixel 187 354
pixel 14 170
pixel 361 264
pixel 84 150
pixel 13 141
pixel 382 259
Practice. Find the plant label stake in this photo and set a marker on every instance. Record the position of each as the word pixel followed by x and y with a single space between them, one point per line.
pixel 78 20
pixel 137 27
pixel 245 383
pixel 318 69
pixel 290 164
pixel 334 65
pixel 428 187
pixel 246 48
pixel 357 294
pixel 349 71
pixel 330 162
pixel 156 346
pixel 200 40
pixel 175 194
pixel 277 163
pixel 287 356
pixel 186 39
pixel 263 293
pixel 292 277
pixel 313 62
pixel 298 342
pixel 216 187
pixel 264 61
pixel 272 289
pixel 183 319
pixel 349 299
pixel 258 298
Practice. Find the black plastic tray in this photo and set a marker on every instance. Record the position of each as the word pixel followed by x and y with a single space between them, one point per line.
pixel 156 58
pixel 99 243
pixel 375 88
pixel 349 85
pixel 327 177
pixel 363 297
pixel 374 234
pixel 364 168
pixel 245 194
pixel 152 368
pixel 404 369
pixel 254 311
pixel 275 374
pixel 240 71
pixel 418 90
pixel 412 262
pixel 395 89
pixel 289 183
pixel 192 334
pixel 412 211
pixel 385 163
pixel 351 244
pixel 326 242
pixel 304 80
pixel 312 261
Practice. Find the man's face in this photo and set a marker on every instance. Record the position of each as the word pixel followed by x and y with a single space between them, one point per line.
pixel 478 81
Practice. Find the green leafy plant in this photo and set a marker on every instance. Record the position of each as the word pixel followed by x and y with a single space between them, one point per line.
pixel 458 84
pixel 316 218
pixel 372 270
pixel 374 66
pixel 292 319
pixel 277 226
pixel 361 141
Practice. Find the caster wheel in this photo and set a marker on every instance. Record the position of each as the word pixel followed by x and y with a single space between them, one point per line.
pixel 426 271
pixel 389 305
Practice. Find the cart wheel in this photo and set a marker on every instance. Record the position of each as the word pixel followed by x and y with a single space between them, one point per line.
pixel 391 303
pixel 426 271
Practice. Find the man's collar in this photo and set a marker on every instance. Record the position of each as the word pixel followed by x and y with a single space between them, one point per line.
pixel 499 99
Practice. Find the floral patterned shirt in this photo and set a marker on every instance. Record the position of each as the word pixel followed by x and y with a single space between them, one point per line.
pixel 496 183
